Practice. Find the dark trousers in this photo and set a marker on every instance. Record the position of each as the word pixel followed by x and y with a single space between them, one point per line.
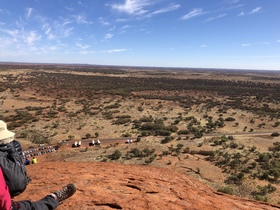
pixel 47 203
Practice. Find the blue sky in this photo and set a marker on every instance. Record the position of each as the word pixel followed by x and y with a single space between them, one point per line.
pixel 234 34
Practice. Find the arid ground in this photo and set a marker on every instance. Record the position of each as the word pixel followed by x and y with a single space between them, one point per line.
pixel 220 127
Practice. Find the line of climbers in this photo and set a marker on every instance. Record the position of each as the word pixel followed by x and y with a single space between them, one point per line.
pixel 38 151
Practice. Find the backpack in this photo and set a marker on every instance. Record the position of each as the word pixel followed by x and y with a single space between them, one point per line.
pixel 13 168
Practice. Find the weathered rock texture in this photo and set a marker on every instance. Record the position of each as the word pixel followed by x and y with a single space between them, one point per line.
pixel 115 186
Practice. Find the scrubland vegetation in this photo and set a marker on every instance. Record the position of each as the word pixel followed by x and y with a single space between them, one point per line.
pixel 189 120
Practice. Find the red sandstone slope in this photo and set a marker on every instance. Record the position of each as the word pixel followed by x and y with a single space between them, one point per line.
pixel 114 186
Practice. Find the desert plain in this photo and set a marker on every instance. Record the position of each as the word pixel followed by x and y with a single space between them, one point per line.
pixel 217 127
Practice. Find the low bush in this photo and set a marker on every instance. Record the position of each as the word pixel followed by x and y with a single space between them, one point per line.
pixel 227 190
pixel 167 139
pixel 275 134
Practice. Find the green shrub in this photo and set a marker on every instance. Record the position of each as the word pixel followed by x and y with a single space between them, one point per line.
pixel 227 190
pixel 186 150
pixel 167 139
pixel 263 190
pixel 140 109
pixel 230 119
pixel 146 119
pixel 275 134
pixel 183 132
pixel 150 159
pixel 146 152
pixel 235 178
pixel 276 124
pixel 116 155
pixel 136 152
pixel 203 152
pixel 121 121
pixel 261 198
pixel 230 138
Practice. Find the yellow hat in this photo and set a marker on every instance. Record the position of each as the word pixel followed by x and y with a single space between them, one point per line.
pixel 6 136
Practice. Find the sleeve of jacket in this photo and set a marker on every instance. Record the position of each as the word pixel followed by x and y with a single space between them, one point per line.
pixel 5 198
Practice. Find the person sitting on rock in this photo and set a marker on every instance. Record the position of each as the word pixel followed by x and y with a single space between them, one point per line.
pixel 27 161
pixel 15 165
pixel 34 160
pixel 49 202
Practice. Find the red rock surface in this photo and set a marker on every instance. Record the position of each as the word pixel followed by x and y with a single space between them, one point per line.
pixel 104 186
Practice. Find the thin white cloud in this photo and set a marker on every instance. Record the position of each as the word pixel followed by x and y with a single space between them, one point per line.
pixel 31 37
pixel 51 48
pixel 46 27
pixel 144 30
pixel 233 1
pixel 121 20
pixel 108 36
pixel 255 56
pixel 42 20
pixel 66 22
pixel 278 40
pixel 48 30
pixel 103 21
pixel 81 19
pixel 256 10
pixel 22 41
pixel 67 32
pixel 50 35
pixel 28 12
pixel 13 33
pixel 114 50
pixel 193 13
pixel 214 18
pixel 164 10
pixel 203 46
pixel 57 29
pixel 7 42
pixel 5 12
pixel 125 26
pixel 81 46
pixel 168 9
pixel 112 28
pixel 234 7
pixel 69 8
pixel 132 7
pixel 241 14
pixel 257 43
pixel 85 52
